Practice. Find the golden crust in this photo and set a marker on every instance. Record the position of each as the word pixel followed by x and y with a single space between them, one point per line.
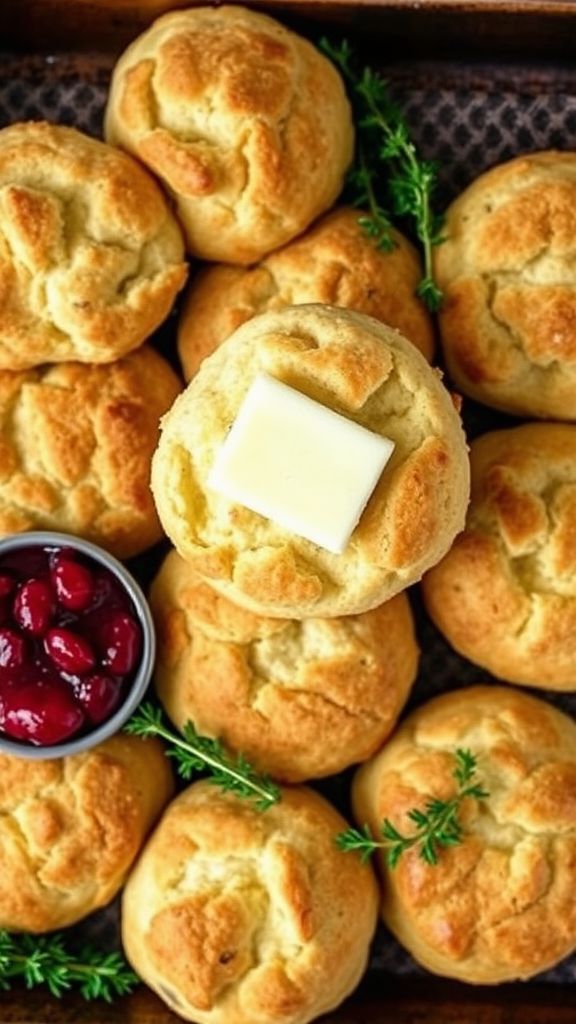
pixel 71 827
pixel 281 691
pixel 508 322
pixel 245 122
pixel 505 594
pixel 334 263
pixel 500 906
pixel 232 915
pixel 371 374
pixel 91 258
pixel 76 443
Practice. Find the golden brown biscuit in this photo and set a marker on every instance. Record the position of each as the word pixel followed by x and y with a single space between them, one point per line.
pixel 505 594
pixel 372 375
pixel 233 915
pixel 299 699
pixel 245 122
pixel 499 905
pixel 90 255
pixel 71 827
pixel 508 322
pixel 76 443
pixel 335 263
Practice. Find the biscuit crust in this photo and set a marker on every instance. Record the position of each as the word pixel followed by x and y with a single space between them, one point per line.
pixel 71 827
pixel 505 594
pixel 367 372
pixel 232 915
pixel 508 322
pixel 334 263
pixel 500 906
pixel 246 124
pixel 76 444
pixel 300 699
pixel 91 259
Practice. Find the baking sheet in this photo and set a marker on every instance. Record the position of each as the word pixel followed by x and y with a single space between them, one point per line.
pixel 465 117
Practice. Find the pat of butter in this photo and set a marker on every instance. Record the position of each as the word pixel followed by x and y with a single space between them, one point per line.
pixel 307 468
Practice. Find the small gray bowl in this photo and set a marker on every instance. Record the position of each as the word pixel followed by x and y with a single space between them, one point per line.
pixel 46 538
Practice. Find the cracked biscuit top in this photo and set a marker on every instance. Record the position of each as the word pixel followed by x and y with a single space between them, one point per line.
pixel 91 258
pixel 498 906
pixel 505 594
pixel 71 827
pixel 232 915
pixel 280 691
pixel 508 322
pixel 76 444
pixel 245 123
pixel 365 371
pixel 335 263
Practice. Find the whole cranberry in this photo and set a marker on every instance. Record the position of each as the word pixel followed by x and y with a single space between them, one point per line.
pixel 69 651
pixel 99 695
pixel 41 712
pixel 7 585
pixel 11 649
pixel 34 606
pixel 119 640
pixel 73 583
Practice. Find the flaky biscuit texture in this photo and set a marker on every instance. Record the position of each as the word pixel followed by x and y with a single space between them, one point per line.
pixel 334 263
pixel 233 915
pixel 245 122
pixel 301 699
pixel 76 444
pixel 71 827
pixel 505 594
pixel 500 905
pixel 508 321
pixel 91 258
pixel 370 374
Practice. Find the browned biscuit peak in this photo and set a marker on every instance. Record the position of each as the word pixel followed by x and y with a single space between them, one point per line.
pixel 499 905
pixel 245 122
pixel 91 258
pixel 505 594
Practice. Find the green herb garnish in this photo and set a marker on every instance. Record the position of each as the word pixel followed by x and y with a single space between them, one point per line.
pixel 436 826
pixel 45 960
pixel 194 753
pixel 384 138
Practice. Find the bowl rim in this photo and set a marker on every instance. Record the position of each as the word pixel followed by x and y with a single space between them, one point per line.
pixel 141 680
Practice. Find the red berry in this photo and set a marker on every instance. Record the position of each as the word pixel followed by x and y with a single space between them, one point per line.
pixel 99 695
pixel 69 651
pixel 11 649
pixel 34 606
pixel 74 584
pixel 119 641
pixel 42 712
pixel 6 585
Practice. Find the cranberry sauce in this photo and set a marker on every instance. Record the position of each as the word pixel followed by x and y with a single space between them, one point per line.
pixel 70 643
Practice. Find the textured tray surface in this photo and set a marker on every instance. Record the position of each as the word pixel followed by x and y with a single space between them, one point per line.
pixel 467 118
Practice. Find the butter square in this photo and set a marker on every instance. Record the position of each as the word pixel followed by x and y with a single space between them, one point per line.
pixel 302 465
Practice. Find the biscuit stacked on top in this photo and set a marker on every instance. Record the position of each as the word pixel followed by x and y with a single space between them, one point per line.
pixel 91 260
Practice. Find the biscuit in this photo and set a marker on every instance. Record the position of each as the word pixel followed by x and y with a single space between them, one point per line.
pixel 70 828
pixel 233 915
pixel 246 124
pixel 508 321
pixel 499 905
pixel 505 594
pixel 300 699
pixel 91 258
pixel 76 443
pixel 334 263
pixel 367 372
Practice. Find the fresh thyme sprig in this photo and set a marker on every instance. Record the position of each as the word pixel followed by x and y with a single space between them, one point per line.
pixel 194 753
pixel 45 960
pixel 383 136
pixel 437 825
